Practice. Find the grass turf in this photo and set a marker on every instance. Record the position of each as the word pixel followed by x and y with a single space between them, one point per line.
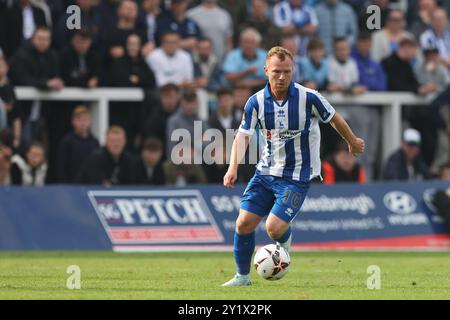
pixel 170 276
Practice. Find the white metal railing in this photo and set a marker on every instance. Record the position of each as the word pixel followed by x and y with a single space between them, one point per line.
pixel 391 103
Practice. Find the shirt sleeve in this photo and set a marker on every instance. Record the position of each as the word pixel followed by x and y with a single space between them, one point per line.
pixel 321 107
pixel 249 117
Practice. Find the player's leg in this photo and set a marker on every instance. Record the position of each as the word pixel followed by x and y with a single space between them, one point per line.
pixel 289 199
pixel 255 204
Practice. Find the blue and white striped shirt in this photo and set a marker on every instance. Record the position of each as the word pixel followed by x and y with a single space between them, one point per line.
pixel 290 131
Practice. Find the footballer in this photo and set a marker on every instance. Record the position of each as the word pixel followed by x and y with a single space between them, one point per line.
pixel 288 116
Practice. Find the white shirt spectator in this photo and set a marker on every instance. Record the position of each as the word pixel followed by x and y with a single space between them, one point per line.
pixel 176 69
pixel 345 74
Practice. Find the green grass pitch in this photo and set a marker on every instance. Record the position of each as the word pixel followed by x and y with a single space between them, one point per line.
pixel 198 275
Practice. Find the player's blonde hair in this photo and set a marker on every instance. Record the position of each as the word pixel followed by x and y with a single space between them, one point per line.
pixel 280 52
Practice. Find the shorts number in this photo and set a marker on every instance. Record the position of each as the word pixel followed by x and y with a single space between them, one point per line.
pixel 295 199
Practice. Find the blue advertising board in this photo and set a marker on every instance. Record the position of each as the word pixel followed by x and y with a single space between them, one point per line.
pixel 344 216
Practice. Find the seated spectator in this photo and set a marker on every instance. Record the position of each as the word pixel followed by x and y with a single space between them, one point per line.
pixel 240 98
pixel 342 167
pixel 399 71
pixel 289 42
pixel 170 64
pixel 151 9
pixel 176 20
pixel 215 23
pixel 314 68
pixel 260 20
pixel 127 24
pixel 244 66
pixel 76 146
pixel 386 41
pixel 32 170
pixel 216 169
pixel 5 165
pixel 207 68
pixel 223 118
pixel 423 20
pixel 35 64
pixel 364 16
pixel 80 65
pixel 110 165
pixel 187 172
pixel 155 123
pixel 441 198
pixel 296 17
pixel 438 36
pixel 336 20
pixel 406 164
pixel 20 20
pixel 186 117
pixel 148 169
pixel 9 113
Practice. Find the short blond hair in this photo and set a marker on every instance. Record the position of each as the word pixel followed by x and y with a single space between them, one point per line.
pixel 280 52
pixel 116 130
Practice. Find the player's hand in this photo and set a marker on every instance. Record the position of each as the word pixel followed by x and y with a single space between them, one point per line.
pixel 230 179
pixel 356 147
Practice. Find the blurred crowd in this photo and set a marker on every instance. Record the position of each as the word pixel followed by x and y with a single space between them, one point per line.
pixel 173 48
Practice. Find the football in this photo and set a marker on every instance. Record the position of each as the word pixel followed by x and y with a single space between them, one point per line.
pixel 272 262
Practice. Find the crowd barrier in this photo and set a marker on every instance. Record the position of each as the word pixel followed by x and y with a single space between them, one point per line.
pixel 345 216
pixel 390 102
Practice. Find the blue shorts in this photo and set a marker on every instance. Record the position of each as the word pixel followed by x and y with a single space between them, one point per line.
pixel 268 194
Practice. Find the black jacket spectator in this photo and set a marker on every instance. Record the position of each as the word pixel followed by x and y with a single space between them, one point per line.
pixel 101 169
pixel 11 27
pixel 141 174
pixel 31 68
pixel 400 74
pixel 72 71
pixel 124 69
pixel 73 151
pixel 397 169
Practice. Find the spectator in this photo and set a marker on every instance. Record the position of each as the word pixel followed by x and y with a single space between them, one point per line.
pixel 110 165
pixel 176 20
pixel 155 123
pixel 244 66
pixel 314 68
pixel 9 113
pixel 216 24
pixel 76 146
pixel 216 169
pixel 80 65
pixel 296 17
pixel 186 118
pixel 364 16
pixel 35 64
pixel 187 172
pixel 373 78
pixel 260 20
pixel 91 19
pixel 399 71
pixel 240 98
pixel 5 165
pixel 148 169
pixel 424 18
pixel 435 144
pixel 170 64
pixel 32 170
pixel 406 164
pixel 289 42
pixel 151 11
pixel 20 20
pixel 438 36
pixel 441 198
pixel 386 41
pixel 336 20
pixel 207 68
pixel 127 13
pixel 238 10
pixel 342 167
pixel 223 118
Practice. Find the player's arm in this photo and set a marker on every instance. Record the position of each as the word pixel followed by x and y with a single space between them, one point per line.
pixel 238 150
pixel 355 144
